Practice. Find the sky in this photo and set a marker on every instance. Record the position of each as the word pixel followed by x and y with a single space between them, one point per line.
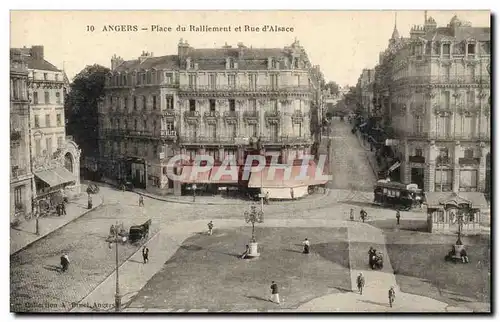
pixel 341 42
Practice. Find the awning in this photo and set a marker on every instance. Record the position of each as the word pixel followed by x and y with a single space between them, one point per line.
pixel 200 175
pixel 441 199
pixel 224 175
pixel 287 176
pixel 55 177
pixel 394 166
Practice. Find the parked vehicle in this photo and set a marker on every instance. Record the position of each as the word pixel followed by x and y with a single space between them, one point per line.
pixel 139 233
pixel 397 195
pixel 125 185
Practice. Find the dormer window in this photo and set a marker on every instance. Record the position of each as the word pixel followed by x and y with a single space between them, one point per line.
pixel 231 63
pixel 274 63
pixel 296 63
pixel 446 50
pixel 471 50
pixel 189 63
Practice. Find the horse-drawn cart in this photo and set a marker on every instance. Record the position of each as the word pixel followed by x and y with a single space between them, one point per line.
pixel 139 233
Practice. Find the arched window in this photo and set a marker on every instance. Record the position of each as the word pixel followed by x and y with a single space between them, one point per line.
pixel 68 162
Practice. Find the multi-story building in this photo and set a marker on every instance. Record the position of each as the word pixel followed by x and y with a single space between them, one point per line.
pixel 20 161
pixel 366 80
pixel 55 159
pixel 218 102
pixel 436 94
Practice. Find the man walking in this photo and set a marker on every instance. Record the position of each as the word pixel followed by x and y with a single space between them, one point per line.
pixel 351 215
pixel 210 227
pixel 63 209
pixel 398 216
pixel 392 295
pixel 362 214
pixel 275 296
pixel 361 283
pixel 145 254
pixel 141 201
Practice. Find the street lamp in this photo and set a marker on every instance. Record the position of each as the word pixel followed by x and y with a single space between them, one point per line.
pixel 193 187
pixel 254 216
pixel 460 221
pixel 118 299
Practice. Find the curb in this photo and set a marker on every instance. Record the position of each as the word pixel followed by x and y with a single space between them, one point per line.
pixel 367 156
pixel 63 225
pixel 114 271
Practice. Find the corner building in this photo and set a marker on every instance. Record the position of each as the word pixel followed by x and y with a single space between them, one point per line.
pixel 219 102
pixel 439 106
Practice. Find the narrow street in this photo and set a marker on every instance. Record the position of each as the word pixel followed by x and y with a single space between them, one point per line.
pixel 349 166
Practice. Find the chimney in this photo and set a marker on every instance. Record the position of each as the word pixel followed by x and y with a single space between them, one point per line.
pixel 182 50
pixel 241 50
pixel 37 52
pixel 116 61
pixel 145 55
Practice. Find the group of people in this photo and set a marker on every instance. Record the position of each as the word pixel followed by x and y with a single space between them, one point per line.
pixel 360 281
pixel 61 209
pixel 363 215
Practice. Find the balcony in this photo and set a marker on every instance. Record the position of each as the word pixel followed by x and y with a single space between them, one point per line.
pixel 139 134
pixel 251 117
pixel 469 161
pixel 443 161
pixel 297 117
pixel 241 89
pixel 168 134
pixel 211 117
pixel 416 159
pixel 272 117
pixel 442 79
pixel 192 117
pixel 231 117
pixel 206 140
pixel 285 140
pixel 169 115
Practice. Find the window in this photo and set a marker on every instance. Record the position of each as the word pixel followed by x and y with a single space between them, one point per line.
pixel 125 102
pixel 418 152
pixel 253 130
pixel 148 79
pixel 471 98
pixel 45 76
pixel 145 125
pixel 48 145
pixel 57 77
pixel 298 80
pixel 35 98
pixel 468 180
pixel 38 147
pixel 212 130
pixel 446 99
pixel 252 81
pixel 58 120
pixel 135 125
pixel 212 105
pixel 418 124
pixel 446 50
pixel 135 102
pixel 274 81
pixel 471 72
pixel 170 102
pixel 47 120
pixel 60 141
pixel 168 78
pixel 192 105
pixel 274 63
pixel 170 127
pixel 58 98
pixel 274 105
pixel 296 63
pixel 192 81
pixel 125 124
pixel 37 121
pixel 154 126
pixel 212 81
pixel 231 63
pixel 144 102
pixel 18 196
pixel 468 153
pixel 47 98
pixel 253 105
pixel 443 180
pixel 232 105
pixel 443 157
pixel 231 80
pixel 154 102
pixel 471 49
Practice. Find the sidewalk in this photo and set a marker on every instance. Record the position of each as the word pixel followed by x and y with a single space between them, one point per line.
pixel 370 155
pixel 24 234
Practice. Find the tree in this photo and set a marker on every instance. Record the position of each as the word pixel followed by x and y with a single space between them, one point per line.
pixel 332 87
pixel 81 107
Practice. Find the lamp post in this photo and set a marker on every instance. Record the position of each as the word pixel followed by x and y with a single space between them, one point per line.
pixel 254 216
pixel 118 299
pixel 460 221
pixel 194 191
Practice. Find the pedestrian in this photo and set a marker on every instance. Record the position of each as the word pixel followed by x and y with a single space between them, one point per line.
pixel 90 202
pixel 275 296
pixel 58 210
pixel 247 250
pixel 63 208
pixel 266 198
pixel 392 295
pixel 463 256
pixel 351 215
pixel 64 262
pixel 291 194
pixel 141 201
pixel 362 214
pixel 398 216
pixel 360 281
pixel 306 246
pixel 112 231
pixel 210 227
pixel 145 254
